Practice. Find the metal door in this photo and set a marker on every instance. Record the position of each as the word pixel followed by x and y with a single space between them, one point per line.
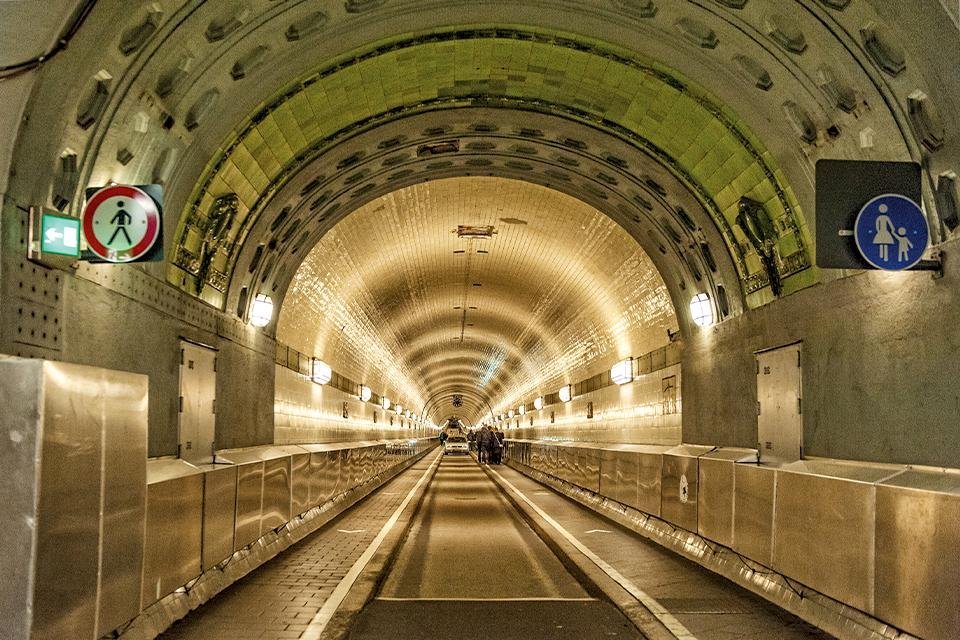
pixel 198 385
pixel 779 425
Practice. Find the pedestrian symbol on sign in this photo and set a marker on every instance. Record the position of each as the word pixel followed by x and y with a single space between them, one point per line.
pixel 121 223
pixel 122 219
pixel 891 232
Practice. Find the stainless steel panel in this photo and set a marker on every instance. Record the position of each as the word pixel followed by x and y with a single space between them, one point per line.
pixel 198 385
pixel 779 424
pixel 68 509
pixel 917 564
pixel 715 492
pixel 324 469
pixel 276 494
pixel 124 423
pixel 753 511
pixel 678 494
pixel 823 535
pixel 588 461
pixel 345 479
pixel 249 504
pixel 219 513
pixel 715 500
pixel 21 440
pixel 649 474
pixel 173 541
pixel 299 483
pixel 608 475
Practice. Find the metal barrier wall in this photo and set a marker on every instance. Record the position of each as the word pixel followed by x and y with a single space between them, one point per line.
pixel 880 538
pixel 99 533
pixel 199 516
pixel 73 453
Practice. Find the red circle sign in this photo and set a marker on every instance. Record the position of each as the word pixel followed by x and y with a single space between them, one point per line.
pixel 121 223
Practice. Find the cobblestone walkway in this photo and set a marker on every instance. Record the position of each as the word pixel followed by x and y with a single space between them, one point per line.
pixel 278 600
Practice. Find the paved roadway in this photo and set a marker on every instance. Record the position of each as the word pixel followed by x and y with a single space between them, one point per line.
pixel 472 568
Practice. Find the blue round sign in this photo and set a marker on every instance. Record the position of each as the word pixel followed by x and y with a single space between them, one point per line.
pixel 891 232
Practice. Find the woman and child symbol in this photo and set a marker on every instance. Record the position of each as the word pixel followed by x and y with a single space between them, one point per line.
pixel 888 234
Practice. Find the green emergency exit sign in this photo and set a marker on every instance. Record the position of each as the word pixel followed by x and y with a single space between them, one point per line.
pixel 60 234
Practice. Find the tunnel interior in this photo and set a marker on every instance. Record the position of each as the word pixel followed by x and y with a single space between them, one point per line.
pixel 589 223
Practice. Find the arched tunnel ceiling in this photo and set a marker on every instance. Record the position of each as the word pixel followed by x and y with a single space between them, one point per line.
pixel 401 296
pixel 679 125
pixel 247 104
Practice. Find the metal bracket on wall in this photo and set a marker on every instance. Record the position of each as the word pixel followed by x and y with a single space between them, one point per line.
pixel 934 264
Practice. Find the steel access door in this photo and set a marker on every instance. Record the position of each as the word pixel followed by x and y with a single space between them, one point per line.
pixel 779 422
pixel 198 388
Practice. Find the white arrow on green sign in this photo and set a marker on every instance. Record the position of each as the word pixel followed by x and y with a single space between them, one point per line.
pixel 60 235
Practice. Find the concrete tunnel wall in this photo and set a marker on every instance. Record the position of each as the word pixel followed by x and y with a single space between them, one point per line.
pixel 881 378
pixel 861 348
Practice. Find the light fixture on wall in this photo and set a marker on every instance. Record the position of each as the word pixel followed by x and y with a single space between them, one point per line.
pixel 510 414
pixel 622 372
pixel 538 403
pixel 409 413
pixel 365 393
pixel 399 409
pixel 522 409
pixel 261 313
pixel 321 372
pixel 701 310
pixel 385 402
pixel 565 393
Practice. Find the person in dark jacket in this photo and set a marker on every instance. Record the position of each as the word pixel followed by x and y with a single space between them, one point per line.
pixel 483 445
pixel 498 434
pixel 492 446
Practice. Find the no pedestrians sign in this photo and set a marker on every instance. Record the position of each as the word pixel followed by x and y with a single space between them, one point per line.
pixel 123 223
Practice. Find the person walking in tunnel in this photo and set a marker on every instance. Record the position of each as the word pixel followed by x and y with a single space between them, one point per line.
pixel 443 438
pixel 472 439
pixel 499 435
pixel 483 444
pixel 492 446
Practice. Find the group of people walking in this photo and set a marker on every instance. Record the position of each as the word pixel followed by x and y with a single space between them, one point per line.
pixel 488 443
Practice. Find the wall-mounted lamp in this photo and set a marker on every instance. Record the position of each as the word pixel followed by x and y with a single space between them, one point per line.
pixel 522 409
pixel 565 393
pixel 365 393
pixel 261 313
pixel 510 413
pixel 321 372
pixel 622 372
pixel 385 402
pixel 538 403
